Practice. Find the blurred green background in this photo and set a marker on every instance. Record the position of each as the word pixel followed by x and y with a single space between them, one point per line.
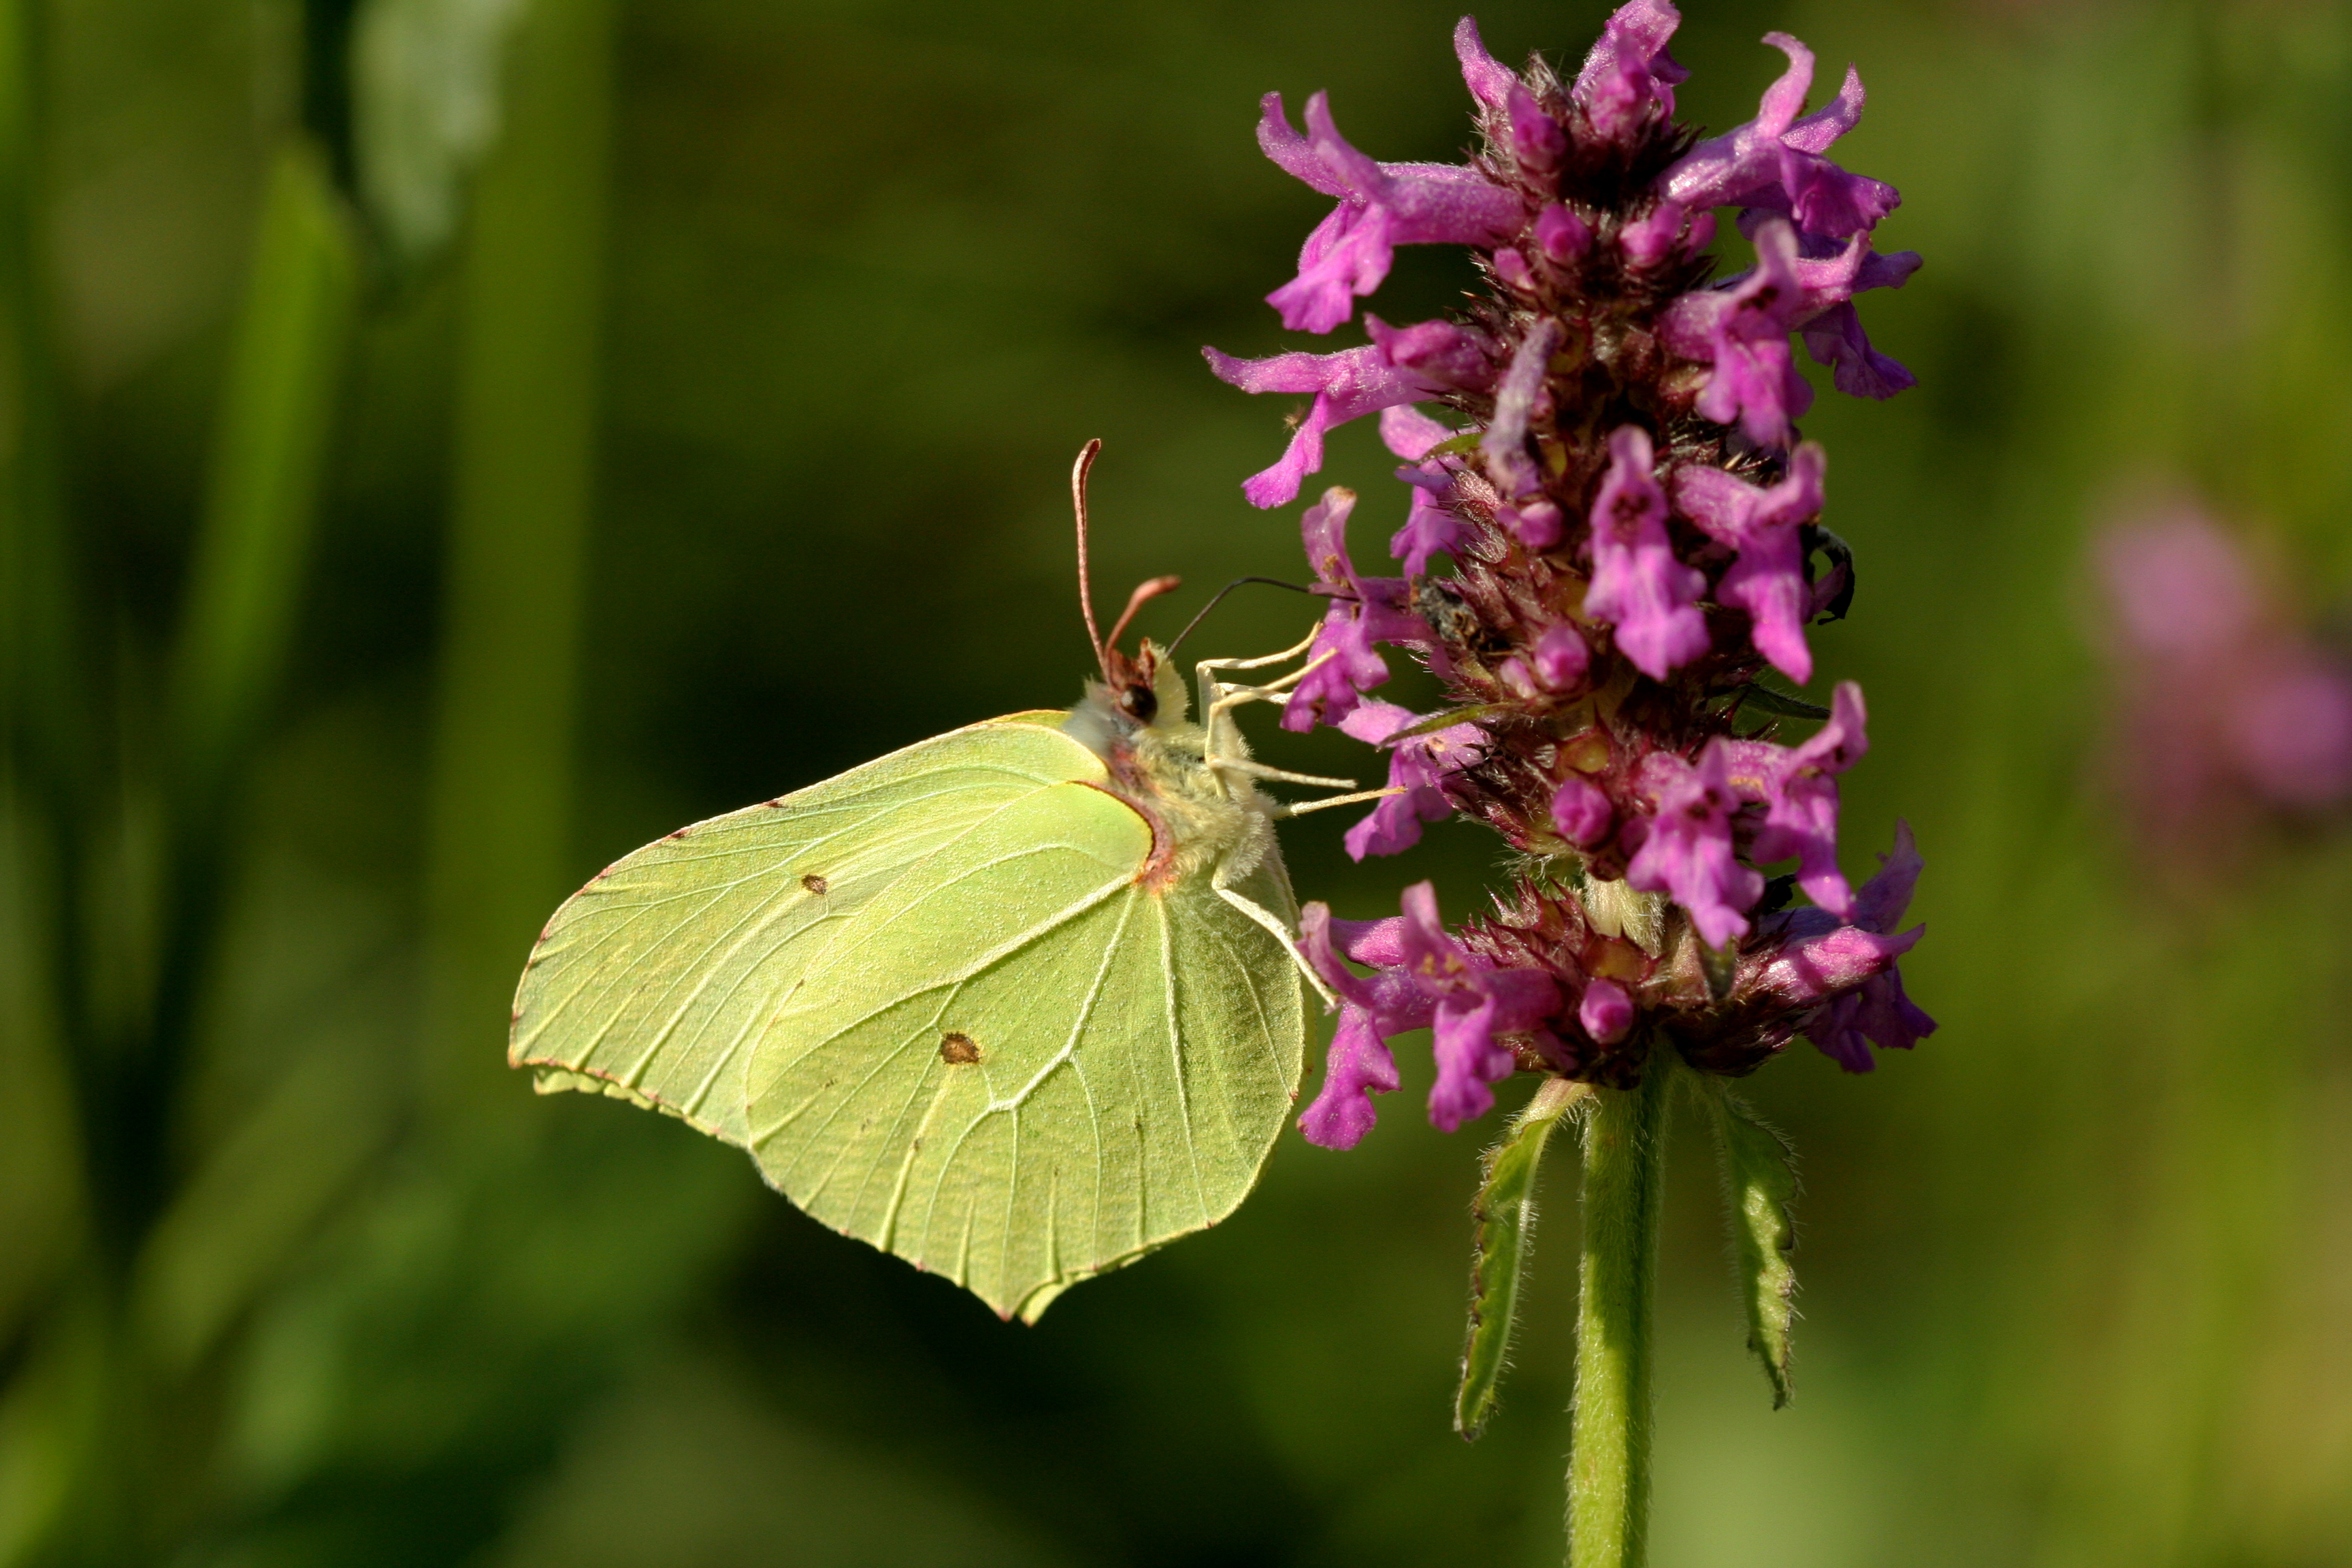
pixel 376 569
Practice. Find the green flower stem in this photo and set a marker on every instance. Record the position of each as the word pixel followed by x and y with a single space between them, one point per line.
pixel 1608 1462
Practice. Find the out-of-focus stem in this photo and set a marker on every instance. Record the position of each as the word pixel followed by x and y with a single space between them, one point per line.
pixel 1609 1460
pixel 268 454
pixel 527 406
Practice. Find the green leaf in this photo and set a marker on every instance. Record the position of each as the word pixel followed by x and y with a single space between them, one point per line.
pixel 1450 716
pixel 1505 1216
pixel 1759 1188
pixel 1782 703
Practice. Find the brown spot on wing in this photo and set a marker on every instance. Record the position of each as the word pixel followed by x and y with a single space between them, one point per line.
pixel 814 883
pixel 958 1050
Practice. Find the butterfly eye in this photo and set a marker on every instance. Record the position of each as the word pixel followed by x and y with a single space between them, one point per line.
pixel 1140 703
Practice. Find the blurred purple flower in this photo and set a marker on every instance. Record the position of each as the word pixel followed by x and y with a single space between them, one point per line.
pixel 2227 709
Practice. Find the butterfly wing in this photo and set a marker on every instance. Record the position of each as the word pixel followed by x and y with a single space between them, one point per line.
pixel 1019 1066
pixel 651 982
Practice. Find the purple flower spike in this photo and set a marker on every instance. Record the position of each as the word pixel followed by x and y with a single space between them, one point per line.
pixel 1629 74
pixel 1775 161
pixel 1766 527
pixel 1536 139
pixel 1562 659
pixel 1743 332
pixel 1472 1003
pixel 1382 206
pixel 1563 236
pixel 1800 793
pixel 1418 766
pixel 1364 611
pixel 1582 813
pixel 1831 330
pixel 1599 603
pixel 1370 1009
pixel 1686 850
pixel 1347 386
pixel 1606 1012
pixel 1878 1012
pixel 1439 351
pixel 1489 80
pixel 1516 397
pixel 1430 524
pixel 1638 583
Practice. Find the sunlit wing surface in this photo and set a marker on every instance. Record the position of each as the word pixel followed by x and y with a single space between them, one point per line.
pixel 651 982
pixel 1019 1066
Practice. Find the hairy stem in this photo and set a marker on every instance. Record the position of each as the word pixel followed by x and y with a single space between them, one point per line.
pixel 1608 1462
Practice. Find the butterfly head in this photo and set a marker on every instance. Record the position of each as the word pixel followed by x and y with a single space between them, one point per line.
pixel 1137 693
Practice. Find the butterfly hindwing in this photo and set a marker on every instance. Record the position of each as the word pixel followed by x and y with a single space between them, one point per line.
pixel 1021 1066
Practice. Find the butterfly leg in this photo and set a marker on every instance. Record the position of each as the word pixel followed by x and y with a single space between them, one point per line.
pixel 1288 809
pixel 1212 689
pixel 1273 923
pixel 1229 697
pixel 1275 775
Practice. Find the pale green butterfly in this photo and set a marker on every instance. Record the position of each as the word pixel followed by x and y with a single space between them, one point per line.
pixel 1018 1003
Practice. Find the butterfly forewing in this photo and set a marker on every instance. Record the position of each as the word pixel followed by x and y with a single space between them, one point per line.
pixel 1021 1065
pixel 653 982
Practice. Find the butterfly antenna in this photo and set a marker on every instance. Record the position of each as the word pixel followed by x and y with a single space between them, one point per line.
pixel 1144 594
pixel 1220 598
pixel 1078 472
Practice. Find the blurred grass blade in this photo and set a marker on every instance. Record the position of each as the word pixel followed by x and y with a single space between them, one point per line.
pixel 269 452
pixel 1504 1215
pixel 527 406
pixel 1760 1191
pixel 260 512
